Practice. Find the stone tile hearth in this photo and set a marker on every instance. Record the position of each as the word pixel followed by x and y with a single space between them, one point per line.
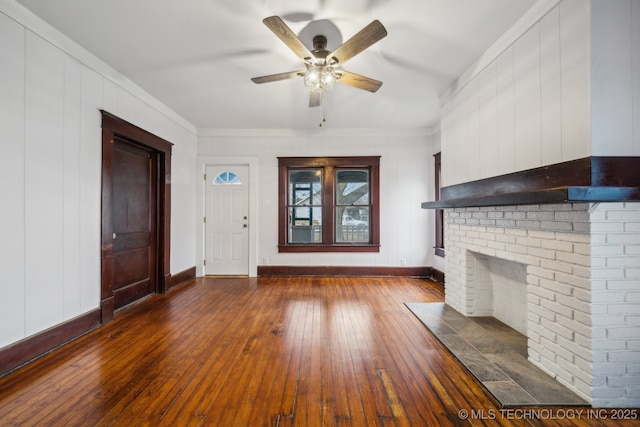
pixel 496 355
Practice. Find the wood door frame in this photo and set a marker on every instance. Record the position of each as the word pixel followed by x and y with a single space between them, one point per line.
pixel 161 153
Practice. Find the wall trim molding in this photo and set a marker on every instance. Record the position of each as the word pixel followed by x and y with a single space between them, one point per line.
pixel 328 270
pixel 313 134
pixel 31 348
pixel 437 275
pixel 24 351
pixel 180 278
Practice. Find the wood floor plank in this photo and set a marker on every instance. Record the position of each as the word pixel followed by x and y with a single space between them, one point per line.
pixel 260 407
pixel 291 351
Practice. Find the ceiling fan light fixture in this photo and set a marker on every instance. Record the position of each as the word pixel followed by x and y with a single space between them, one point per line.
pixel 320 75
pixel 320 78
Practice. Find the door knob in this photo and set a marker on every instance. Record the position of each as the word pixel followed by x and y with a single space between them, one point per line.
pixel 245 225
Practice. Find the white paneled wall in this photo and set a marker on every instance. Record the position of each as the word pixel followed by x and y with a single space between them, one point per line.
pixel 12 169
pixel 71 202
pixel 526 94
pixel 615 58
pixel 51 95
pixel 90 178
pixel 406 180
pixel 44 189
pixel 550 88
pixel 487 133
pixel 635 51
pixel 574 79
pixel 526 108
pixel 567 87
pixel 505 123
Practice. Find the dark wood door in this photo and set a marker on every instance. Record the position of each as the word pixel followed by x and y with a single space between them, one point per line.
pixel 134 223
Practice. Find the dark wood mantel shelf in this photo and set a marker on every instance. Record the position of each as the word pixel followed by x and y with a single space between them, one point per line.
pixel 556 195
pixel 588 180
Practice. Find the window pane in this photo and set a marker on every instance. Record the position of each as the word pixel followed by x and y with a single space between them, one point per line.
pixel 305 206
pixel 305 224
pixel 352 187
pixel 352 224
pixel 352 206
pixel 305 187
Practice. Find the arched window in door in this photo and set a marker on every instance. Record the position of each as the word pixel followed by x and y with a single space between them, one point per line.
pixel 227 178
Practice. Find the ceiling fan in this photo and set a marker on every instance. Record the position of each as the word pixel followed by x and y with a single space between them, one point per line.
pixel 321 72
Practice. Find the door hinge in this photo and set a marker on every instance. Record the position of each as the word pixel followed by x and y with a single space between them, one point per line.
pixel 204 219
pixel 204 262
pixel 205 177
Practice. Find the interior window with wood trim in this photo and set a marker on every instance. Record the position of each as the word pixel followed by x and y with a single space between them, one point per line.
pixel 329 204
pixel 439 248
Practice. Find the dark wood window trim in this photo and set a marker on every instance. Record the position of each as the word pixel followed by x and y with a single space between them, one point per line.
pixel 328 164
pixel 439 247
pixel 113 127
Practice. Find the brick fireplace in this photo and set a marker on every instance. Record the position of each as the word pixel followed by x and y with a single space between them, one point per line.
pixel 554 252
pixel 582 287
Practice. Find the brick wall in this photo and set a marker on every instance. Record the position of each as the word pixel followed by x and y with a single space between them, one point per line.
pixel 583 292
pixel 615 288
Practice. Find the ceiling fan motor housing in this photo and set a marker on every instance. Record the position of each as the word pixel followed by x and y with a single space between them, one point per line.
pixel 319 42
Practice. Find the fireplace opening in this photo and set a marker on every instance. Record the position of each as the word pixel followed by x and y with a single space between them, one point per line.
pixel 501 290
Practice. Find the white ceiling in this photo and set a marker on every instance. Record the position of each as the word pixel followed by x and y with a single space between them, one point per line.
pixel 197 56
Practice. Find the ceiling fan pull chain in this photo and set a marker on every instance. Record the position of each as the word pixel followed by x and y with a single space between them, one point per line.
pixel 324 119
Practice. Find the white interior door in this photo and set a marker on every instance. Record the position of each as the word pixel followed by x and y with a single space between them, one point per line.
pixel 227 220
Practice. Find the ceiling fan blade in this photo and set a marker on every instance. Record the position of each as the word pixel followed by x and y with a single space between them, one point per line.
pixel 280 29
pixel 315 99
pixel 369 35
pixel 358 81
pixel 277 77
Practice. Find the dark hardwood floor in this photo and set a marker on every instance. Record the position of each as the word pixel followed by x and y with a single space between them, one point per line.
pixel 304 351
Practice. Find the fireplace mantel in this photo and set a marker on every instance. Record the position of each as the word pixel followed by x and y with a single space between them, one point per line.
pixel 555 195
pixel 588 180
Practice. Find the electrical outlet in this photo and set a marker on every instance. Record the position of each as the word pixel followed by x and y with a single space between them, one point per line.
pixel 265 260
pixel 403 262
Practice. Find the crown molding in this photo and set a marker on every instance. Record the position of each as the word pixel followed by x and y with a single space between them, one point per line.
pixel 44 30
